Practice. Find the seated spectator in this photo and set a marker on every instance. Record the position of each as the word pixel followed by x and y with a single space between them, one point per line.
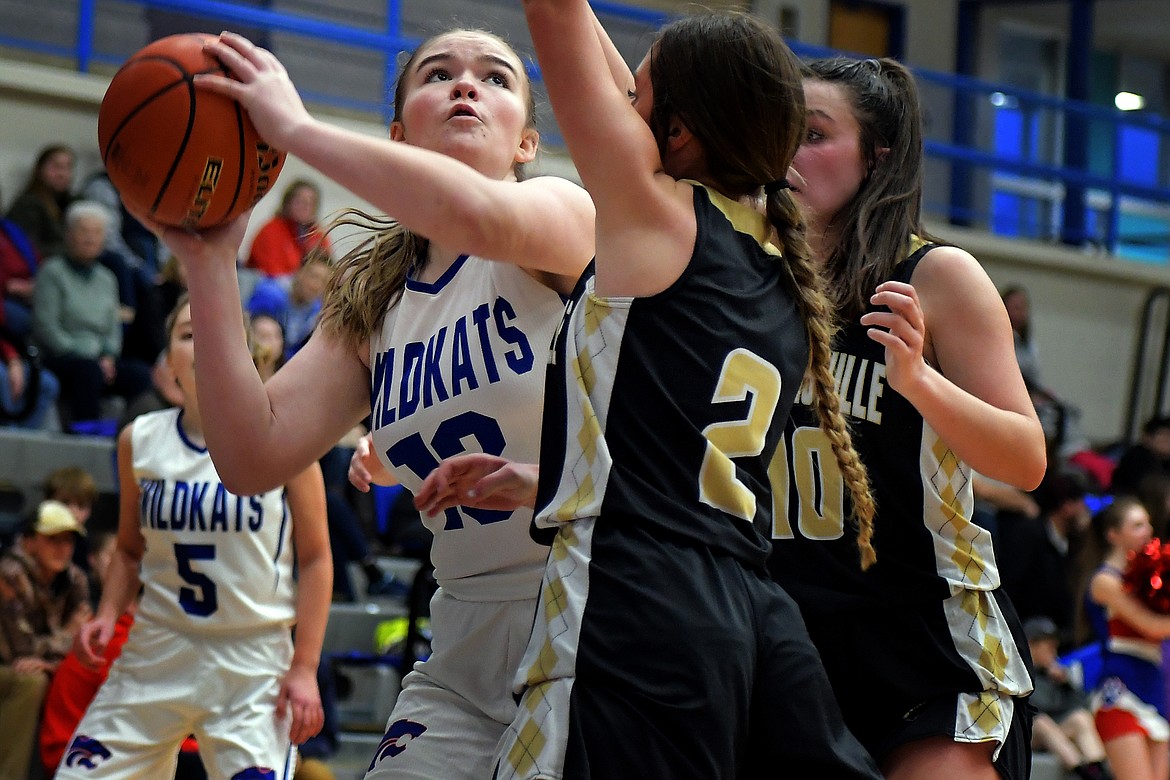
pixel 297 309
pixel 28 391
pixel 172 283
pixel 74 684
pixel 1064 722
pixel 76 320
pixel 163 393
pixel 126 235
pixel 283 243
pixel 1037 555
pixel 18 268
pixel 39 208
pixel 76 488
pixel 45 600
pixel 1147 457
pixel 266 340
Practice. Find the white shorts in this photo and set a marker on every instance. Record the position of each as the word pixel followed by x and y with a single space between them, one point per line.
pixel 164 687
pixel 455 706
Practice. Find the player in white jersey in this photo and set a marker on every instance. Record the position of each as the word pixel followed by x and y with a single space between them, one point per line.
pixel 438 327
pixel 211 652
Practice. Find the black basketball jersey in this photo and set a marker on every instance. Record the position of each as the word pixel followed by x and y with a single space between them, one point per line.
pixel 666 409
pixel 932 595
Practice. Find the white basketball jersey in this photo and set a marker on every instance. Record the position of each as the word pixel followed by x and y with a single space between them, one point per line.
pixel 214 561
pixel 458 367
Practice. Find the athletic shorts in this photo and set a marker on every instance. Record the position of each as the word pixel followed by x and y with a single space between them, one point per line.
pixel 658 658
pixel 454 706
pixel 1005 720
pixel 165 686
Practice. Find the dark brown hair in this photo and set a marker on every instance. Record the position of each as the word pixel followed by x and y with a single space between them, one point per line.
pixel 734 83
pixel 873 230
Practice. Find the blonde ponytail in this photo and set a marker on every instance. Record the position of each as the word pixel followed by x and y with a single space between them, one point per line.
pixel 370 278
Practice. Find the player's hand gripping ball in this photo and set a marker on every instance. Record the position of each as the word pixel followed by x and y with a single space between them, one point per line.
pixel 183 156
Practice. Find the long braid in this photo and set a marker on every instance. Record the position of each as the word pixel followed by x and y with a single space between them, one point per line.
pixel 809 290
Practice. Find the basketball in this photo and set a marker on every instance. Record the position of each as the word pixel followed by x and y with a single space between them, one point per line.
pixel 184 156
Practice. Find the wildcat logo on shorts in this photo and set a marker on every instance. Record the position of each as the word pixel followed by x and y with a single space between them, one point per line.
pixel 398 736
pixel 86 752
pixel 255 773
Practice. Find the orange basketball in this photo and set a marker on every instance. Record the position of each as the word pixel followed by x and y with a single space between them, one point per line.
pixel 184 156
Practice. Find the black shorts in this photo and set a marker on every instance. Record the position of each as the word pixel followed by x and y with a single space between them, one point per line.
pixel 937 719
pixel 688 665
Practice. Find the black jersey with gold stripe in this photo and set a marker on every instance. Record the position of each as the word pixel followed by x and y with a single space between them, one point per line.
pixel 933 593
pixel 666 409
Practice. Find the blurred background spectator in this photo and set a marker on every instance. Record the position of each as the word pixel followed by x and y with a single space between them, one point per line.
pixel 77 321
pixel 40 207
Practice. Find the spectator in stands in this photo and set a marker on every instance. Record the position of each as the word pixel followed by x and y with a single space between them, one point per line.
pixel 43 601
pixel 172 283
pixel 297 309
pixel 1036 555
pixel 1019 309
pixel 266 340
pixel 1064 724
pixel 28 391
pixel 1145 458
pixel 18 267
pixel 74 684
pixel 164 392
pixel 283 243
pixel 76 488
pixel 126 236
pixel 40 207
pixel 76 320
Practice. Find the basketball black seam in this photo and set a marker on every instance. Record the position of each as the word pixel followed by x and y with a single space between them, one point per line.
pixel 243 160
pixel 182 147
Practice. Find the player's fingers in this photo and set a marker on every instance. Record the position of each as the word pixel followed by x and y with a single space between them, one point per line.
pixel 220 85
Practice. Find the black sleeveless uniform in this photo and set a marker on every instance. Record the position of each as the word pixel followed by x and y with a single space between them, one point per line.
pixel 924 643
pixel 661 648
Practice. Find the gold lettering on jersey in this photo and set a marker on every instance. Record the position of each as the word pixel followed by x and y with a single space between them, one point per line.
pixel 207 184
pixel 860 384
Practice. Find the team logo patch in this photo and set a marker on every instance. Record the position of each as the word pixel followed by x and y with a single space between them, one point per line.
pixel 398 736
pixel 86 752
pixel 255 773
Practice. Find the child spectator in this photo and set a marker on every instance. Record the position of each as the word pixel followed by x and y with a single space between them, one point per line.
pixel 1064 724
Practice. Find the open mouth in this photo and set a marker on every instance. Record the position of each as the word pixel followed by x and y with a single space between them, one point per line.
pixel 463 110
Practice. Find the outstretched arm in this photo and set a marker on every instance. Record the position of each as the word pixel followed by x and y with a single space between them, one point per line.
pixel 645 219
pixel 260 434
pixel 545 224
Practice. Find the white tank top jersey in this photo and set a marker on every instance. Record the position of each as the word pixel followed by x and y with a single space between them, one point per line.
pixel 214 561
pixel 459 366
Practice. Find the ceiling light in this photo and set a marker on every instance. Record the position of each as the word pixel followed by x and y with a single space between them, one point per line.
pixel 1128 101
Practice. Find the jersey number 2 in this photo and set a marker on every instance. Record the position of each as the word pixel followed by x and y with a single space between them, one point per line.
pixel 200 599
pixel 743 373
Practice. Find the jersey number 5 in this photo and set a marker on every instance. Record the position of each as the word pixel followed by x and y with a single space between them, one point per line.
pixel 200 599
pixel 744 373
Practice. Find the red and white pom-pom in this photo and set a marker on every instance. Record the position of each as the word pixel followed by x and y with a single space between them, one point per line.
pixel 1147 575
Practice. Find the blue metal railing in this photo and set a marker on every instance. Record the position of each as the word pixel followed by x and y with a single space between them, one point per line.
pixel 969 200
